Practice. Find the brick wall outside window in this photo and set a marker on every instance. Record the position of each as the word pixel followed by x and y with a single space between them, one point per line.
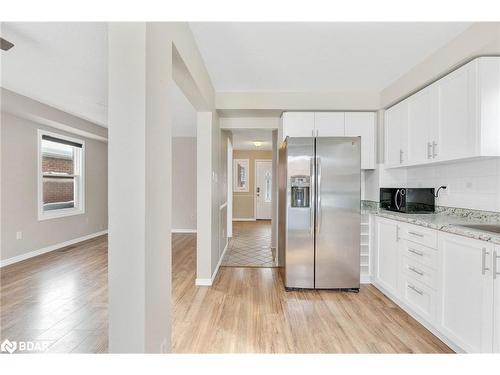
pixel 57 189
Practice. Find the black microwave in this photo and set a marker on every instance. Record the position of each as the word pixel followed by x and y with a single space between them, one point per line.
pixel 418 200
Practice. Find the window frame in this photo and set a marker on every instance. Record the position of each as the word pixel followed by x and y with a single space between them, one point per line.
pixel 79 208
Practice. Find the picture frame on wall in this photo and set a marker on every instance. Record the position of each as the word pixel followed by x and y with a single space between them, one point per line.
pixel 241 171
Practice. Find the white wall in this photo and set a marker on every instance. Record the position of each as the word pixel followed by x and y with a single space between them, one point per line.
pixel 183 183
pixel 19 192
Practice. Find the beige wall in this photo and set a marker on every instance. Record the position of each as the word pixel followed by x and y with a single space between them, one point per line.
pixel 19 191
pixel 183 183
pixel 243 203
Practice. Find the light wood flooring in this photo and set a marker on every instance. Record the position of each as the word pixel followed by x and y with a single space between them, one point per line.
pixel 61 298
pixel 247 310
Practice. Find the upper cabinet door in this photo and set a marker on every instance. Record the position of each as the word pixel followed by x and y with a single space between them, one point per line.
pixel 329 124
pixel 420 122
pixel 396 134
pixel 298 124
pixel 456 117
pixel 362 124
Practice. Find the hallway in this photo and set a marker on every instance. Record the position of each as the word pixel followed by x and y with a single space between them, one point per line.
pixel 250 245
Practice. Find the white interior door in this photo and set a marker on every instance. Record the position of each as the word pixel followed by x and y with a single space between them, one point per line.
pixel 263 189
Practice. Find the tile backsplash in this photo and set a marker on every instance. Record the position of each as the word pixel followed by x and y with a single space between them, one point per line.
pixel 473 184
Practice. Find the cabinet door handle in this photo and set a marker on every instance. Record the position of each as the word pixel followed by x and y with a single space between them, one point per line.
pixel 434 153
pixel 400 156
pixel 317 132
pixel 312 133
pixel 483 261
pixel 495 259
pixel 419 253
pixel 429 152
pixel 412 287
pixel 418 272
pixel 416 233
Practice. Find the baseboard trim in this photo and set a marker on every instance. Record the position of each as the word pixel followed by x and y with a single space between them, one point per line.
pixel 183 230
pixel 203 282
pixel 50 248
pixel 209 282
pixel 244 219
pixel 365 279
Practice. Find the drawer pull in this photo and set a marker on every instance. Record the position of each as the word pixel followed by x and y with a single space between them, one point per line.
pixel 416 234
pixel 495 259
pixel 413 269
pixel 483 259
pixel 415 289
pixel 419 253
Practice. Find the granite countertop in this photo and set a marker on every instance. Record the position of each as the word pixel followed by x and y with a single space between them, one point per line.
pixel 447 220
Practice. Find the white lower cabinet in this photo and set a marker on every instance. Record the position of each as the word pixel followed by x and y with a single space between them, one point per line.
pixel 466 308
pixel 496 300
pixel 387 267
pixel 451 284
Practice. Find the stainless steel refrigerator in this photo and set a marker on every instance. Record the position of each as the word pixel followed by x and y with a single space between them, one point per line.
pixel 319 206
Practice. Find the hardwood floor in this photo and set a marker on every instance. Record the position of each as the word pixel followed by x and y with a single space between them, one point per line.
pixel 247 310
pixel 60 298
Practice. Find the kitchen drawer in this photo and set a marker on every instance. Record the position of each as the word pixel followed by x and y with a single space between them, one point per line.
pixel 422 254
pixel 418 271
pixel 419 297
pixel 420 235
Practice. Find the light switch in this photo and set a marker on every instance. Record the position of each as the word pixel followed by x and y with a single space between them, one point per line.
pixel 19 235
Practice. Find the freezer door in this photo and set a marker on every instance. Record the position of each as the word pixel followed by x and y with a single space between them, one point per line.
pixel 299 257
pixel 338 219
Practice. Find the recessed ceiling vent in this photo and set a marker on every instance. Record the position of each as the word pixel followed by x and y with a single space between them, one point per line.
pixel 5 45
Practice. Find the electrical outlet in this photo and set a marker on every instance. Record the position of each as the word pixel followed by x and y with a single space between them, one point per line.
pixel 19 235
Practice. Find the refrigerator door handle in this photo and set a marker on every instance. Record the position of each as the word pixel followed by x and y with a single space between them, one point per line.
pixel 312 197
pixel 318 194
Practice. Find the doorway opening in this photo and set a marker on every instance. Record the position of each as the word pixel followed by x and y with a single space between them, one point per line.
pixel 252 190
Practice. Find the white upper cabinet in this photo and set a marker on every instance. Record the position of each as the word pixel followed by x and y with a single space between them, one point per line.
pixel 420 125
pixel 456 117
pixel 298 124
pixel 362 124
pixel 396 135
pixel 333 124
pixel 456 114
pixel 329 124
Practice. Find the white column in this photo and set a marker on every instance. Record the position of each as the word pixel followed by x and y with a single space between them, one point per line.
pixel 204 135
pixel 139 257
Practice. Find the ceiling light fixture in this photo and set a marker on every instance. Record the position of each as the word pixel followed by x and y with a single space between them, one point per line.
pixel 5 45
pixel 257 143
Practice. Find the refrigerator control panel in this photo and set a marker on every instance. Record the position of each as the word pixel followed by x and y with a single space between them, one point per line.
pixel 300 186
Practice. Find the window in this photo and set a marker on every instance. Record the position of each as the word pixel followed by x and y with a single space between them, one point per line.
pixel 60 176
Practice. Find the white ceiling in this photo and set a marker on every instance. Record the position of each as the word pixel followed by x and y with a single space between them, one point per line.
pixel 243 139
pixel 184 115
pixel 306 56
pixel 60 64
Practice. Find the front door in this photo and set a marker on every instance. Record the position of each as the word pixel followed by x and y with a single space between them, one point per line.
pixel 263 189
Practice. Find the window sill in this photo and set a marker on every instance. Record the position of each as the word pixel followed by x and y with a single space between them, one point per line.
pixel 59 213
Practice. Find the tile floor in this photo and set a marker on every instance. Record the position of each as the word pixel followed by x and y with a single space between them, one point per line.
pixel 250 245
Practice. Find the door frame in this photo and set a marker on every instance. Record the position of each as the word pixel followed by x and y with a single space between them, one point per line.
pixel 255 186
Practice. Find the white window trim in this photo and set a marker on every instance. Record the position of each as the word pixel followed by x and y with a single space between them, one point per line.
pixel 63 212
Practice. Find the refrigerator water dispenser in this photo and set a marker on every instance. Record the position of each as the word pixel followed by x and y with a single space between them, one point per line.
pixel 300 191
